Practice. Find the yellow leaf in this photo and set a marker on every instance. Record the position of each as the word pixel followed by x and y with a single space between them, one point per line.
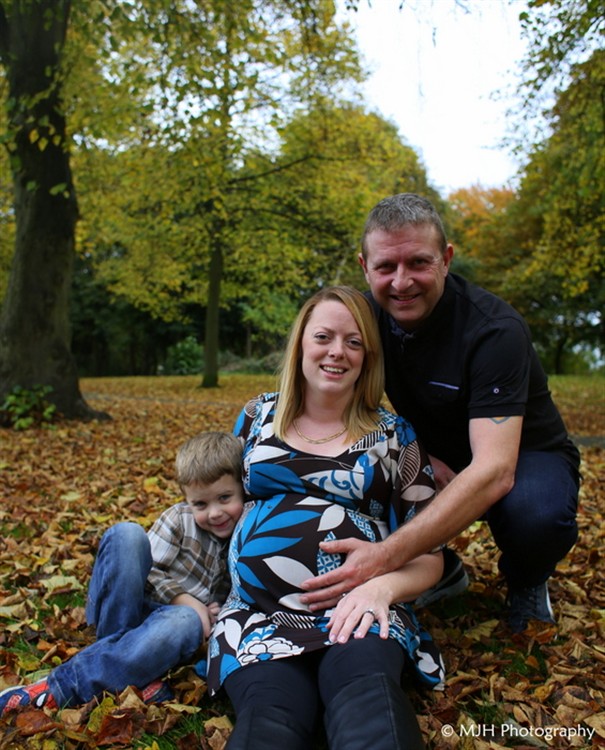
pixel 181 708
pixel 483 630
pixel 96 717
pixel 150 484
pixel 62 583
pixel 597 722
pixel 218 722
pixel 16 611
pixel 72 496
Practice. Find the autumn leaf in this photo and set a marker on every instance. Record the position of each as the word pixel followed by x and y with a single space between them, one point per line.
pixel 83 477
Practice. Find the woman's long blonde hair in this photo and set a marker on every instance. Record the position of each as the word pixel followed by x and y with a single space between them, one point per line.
pixel 360 416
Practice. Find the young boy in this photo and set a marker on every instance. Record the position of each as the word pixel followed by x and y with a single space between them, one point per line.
pixel 153 597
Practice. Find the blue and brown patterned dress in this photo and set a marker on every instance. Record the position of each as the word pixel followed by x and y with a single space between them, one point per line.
pixel 295 500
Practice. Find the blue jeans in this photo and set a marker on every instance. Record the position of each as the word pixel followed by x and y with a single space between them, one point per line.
pixel 535 525
pixel 138 639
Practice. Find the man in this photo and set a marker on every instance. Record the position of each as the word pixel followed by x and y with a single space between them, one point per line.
pixel 461 367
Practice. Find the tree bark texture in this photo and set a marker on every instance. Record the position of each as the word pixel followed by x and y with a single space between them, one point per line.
pixel 211 344
pixel 34 321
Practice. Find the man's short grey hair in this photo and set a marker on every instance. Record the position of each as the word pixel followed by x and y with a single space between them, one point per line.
pixel 401 210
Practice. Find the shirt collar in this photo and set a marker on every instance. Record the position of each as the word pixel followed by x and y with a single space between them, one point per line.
pixel 435 319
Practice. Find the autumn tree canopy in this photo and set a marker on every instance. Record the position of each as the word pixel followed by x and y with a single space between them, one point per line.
pixel 223 162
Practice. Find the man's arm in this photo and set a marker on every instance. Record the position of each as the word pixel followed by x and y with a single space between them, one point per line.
pixel 490 475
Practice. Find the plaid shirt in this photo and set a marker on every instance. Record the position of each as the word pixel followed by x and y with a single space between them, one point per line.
pixel 186 559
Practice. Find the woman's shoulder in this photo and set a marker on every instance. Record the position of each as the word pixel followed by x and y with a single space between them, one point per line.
pixel 252 407
pixel 386 418
pixel 258 407
pixel 391 422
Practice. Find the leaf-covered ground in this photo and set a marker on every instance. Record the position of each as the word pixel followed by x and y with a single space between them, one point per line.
pixel 61 488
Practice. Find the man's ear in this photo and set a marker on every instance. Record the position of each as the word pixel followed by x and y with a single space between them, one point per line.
pixel 362 263
pixel 448 256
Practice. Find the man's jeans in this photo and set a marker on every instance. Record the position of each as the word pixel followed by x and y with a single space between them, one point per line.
pixel 138 640
pixel 535 524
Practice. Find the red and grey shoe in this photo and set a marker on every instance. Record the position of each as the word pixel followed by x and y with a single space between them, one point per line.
pixel 37 694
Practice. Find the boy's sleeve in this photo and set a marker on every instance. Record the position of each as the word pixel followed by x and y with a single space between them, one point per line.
pixel 166 539
pixel 186 559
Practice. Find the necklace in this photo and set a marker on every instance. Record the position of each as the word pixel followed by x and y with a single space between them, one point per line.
pixel 318 441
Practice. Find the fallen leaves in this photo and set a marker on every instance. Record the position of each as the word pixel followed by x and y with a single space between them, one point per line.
pixel 62 488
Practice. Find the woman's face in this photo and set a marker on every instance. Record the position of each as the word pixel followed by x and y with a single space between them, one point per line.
pixel 332 349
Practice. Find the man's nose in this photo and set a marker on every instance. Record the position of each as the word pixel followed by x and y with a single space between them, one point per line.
pixel 402 277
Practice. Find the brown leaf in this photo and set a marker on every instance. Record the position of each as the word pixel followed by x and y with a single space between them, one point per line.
pixel 30 721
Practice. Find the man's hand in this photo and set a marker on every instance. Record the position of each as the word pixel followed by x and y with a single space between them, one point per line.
pixel 364 560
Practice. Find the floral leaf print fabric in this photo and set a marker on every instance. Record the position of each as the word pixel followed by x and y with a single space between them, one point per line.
pixel 295 501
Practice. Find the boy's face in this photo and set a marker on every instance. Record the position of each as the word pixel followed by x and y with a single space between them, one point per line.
pixel 216 507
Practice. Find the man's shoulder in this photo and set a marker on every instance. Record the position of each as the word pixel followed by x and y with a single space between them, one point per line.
pixel 481 298
pixel 375 306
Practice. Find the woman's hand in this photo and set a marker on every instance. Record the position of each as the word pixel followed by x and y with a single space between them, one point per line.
pixel 358 610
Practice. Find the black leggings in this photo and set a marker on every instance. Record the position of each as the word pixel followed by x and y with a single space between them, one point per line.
pixel 298 683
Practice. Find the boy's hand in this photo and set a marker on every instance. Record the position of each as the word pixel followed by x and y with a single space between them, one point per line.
pixel 204 612
pixel 214 608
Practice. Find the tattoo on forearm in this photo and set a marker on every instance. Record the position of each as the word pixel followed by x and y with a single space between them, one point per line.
pixel 499 420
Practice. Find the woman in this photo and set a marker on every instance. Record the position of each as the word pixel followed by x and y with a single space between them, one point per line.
pixel 323 460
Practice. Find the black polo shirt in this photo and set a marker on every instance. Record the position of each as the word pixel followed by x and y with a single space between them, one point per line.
pixel 473 357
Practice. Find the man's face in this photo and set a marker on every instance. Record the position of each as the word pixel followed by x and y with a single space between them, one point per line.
pixel 406 272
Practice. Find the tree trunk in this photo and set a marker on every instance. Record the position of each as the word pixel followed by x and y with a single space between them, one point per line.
pixel 211 344
pixel 34 321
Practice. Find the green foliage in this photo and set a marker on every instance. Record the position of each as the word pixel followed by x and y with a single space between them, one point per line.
pixel 564 185
pixel 223 162
pixel 560 34
pixel 542 248
pixel 186 357
pixel 24 408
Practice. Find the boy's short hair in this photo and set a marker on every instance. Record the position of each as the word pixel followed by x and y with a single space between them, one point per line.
pixel 208 456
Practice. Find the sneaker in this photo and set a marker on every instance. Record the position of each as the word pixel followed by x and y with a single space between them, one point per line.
pixel 531 603
pixel 453 581
pixel 37 694
pixel 157 692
